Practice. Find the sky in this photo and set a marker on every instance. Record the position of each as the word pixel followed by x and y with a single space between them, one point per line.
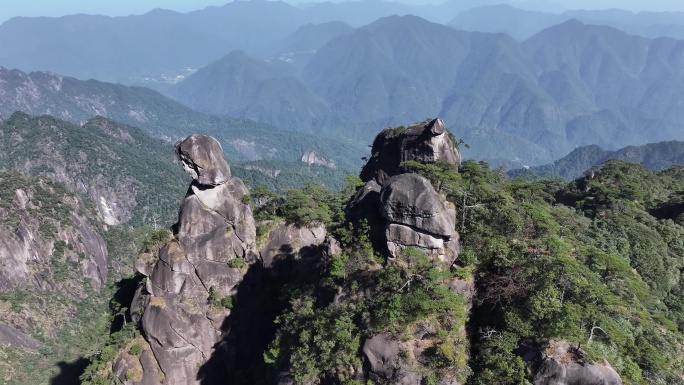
pixel 11 8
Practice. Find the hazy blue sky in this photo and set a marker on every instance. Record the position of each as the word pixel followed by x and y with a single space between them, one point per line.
pixel 11 8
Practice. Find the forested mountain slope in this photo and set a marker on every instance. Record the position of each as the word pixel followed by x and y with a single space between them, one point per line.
pixel 74 100
pixel 129 176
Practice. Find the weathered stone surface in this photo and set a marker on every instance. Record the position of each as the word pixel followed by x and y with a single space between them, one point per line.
pixel 87 241
pixel 563 364
pixel 214 226
pixel 214 222
pixel 382 355
pixel 180 336
pixel 383 359
pixel 10 336
pixel 24 246
pixel 555 372
pixel 365 201
pixel 402 235
pixel 423 143
pixel 174 273
pixel 152 374
pixel 410 199
pixel 203 160
pixel 288 240
pixel 219 275
pixel 311 157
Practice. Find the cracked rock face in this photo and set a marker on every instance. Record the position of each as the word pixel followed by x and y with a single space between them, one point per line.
pixel 423 143
pixel 214 226
pixel 410 199
pixel 417 216
pixel 287 239
pixel 403 209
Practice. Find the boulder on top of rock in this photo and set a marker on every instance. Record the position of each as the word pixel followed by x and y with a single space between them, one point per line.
pixel 203 160
pixel 215 226
pixel 410 199
pixel 423 143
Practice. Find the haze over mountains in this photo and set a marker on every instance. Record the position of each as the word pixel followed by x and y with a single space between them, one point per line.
pixel 345 70
pixel 523 23
pixel 569 85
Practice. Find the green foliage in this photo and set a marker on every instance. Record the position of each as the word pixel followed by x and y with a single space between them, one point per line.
pixel 306 207
pixel 600 261
pixel 317 341
pixel 217 301
pixel 237 263
pixel 135 350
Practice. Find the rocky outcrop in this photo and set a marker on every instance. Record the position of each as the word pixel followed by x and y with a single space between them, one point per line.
pixel 555 372
pixel 403 209
pixel 560 363
pixel 183 312
pixel 287 239
pixel 423 143
pixel 417 216
pixel 10 336
pixel 29 255
pixel 311 157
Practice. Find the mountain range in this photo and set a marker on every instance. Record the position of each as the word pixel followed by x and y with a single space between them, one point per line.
pixel 75 100
pixel 567 86
pixel 523 23
pixel 161 44
pixel 653 156
pixel 324 76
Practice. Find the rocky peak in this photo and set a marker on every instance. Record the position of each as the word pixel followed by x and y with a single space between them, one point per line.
pixel 422 142
pixel 404 209
pixel 181 322
pixel 203 160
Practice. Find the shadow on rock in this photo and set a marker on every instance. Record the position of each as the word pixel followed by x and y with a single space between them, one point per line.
pixel 69 372
pixel 125 291
pixel 249 328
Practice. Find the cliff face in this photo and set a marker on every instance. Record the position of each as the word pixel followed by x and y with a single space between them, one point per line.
pixel 403 209
pixel 191 284
pixel 48 243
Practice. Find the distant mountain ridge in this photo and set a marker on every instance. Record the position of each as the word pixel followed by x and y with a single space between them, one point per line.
pixel 75 100
pixel 140 48
pixel 162 46
pixel 523 23
pixel 567 86
pixel 654 156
